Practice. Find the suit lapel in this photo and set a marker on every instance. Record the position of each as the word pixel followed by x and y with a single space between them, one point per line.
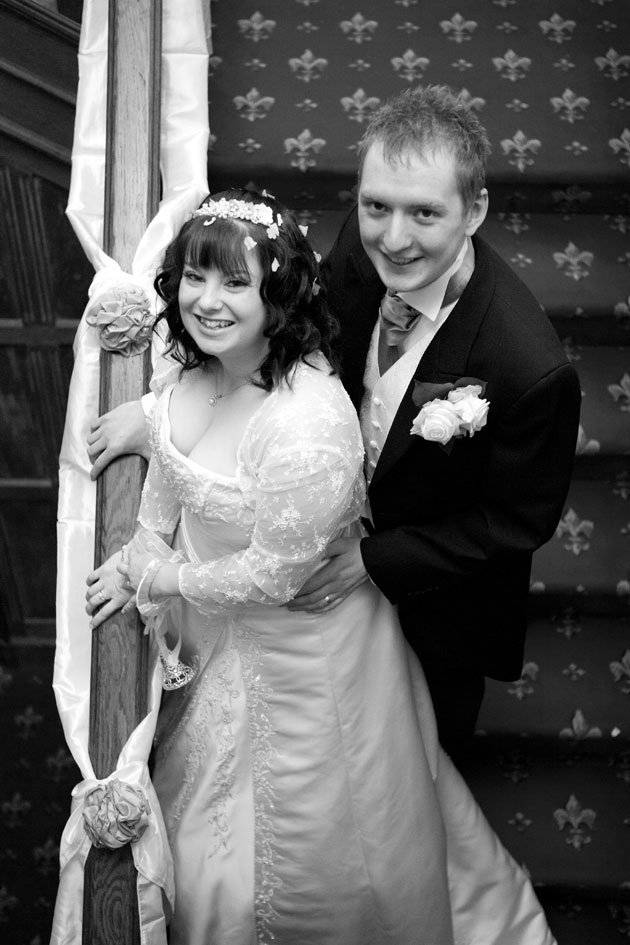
pixel 365 290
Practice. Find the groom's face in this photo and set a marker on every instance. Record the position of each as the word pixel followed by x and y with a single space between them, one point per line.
pixel 412 217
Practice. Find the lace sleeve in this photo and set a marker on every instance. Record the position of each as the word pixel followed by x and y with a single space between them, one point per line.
pixel 305 485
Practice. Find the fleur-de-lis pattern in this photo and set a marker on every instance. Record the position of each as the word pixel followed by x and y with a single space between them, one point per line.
pixel 580 728
pixel 621 672
pixel 459 29
pixel 344 39
pixel 521 150
pixel 576 532
pixel 620 393
pixel 524 687
pixel 578 820
pixel 293 83
pixel 253 105
pixel 38 775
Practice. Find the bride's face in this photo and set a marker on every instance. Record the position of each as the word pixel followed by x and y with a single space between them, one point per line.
pixel 225 315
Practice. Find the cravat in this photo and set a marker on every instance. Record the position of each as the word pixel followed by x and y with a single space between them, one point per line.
pixel 398 317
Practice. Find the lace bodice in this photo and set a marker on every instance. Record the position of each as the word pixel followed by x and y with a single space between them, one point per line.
pixel 298 484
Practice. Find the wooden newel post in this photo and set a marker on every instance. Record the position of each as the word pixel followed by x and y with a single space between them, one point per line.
pixel 119 652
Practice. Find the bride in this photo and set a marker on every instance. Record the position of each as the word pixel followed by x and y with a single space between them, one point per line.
pixel 306 797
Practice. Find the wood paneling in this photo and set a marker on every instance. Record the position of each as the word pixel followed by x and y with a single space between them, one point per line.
pixel 44 279
pixel 38 83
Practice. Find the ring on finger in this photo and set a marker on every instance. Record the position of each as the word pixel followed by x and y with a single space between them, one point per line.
pixel 101 596
pixel 327 599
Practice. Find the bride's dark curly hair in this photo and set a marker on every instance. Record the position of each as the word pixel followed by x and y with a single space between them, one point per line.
pixel 298 320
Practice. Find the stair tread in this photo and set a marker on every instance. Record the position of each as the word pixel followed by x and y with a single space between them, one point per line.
pixel 590 551
pixel 576 919
pixel 566 820
pixel 575 684
pixel 604 373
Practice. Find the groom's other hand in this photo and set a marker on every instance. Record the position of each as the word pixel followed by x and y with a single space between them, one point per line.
pixel 120 431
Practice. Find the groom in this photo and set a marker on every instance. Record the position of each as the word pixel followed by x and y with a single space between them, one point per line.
pixel 452 522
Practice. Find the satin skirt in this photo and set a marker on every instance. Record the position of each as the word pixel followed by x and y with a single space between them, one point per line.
pixel 307 799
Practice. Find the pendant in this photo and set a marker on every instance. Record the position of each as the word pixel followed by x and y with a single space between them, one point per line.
pixel 214 400
pixel 176 674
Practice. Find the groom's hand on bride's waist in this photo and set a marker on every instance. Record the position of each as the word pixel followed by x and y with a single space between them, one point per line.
pixel 341 574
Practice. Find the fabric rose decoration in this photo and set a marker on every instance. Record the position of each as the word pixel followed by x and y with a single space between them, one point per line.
pixel 458 410
pixel 115 814
pixel 123 318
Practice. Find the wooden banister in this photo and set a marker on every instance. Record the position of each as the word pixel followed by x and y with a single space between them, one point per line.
pixel 119 654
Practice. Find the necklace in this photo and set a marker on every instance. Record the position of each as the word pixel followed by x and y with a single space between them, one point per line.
pixel 213 401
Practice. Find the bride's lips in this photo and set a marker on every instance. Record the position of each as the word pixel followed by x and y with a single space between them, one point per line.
pixel 213 324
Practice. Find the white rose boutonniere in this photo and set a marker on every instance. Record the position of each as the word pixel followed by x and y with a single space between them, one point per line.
pixel 449 411
pixel 438 421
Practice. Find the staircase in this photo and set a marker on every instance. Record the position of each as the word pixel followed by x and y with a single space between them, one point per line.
pixel 552 768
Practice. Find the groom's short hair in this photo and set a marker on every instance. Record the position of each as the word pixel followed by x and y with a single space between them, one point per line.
pixel 428 119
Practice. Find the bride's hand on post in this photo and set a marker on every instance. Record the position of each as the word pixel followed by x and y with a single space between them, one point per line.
pixel 107 591
pixel 121 431
pixel 343 572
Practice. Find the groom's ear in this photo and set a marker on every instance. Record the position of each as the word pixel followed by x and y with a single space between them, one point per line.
pixel 477 213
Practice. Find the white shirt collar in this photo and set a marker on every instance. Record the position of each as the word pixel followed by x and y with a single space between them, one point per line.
pixel 428 299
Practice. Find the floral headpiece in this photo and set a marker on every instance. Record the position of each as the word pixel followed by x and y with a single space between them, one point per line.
pixel 240 210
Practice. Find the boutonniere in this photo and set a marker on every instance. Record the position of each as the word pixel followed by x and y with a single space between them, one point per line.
pixel 448 411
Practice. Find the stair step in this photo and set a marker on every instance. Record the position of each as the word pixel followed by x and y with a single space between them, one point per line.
pixel 604 373
pixel 576 264
pixel 575 684
pixel 577 918
pixel 589 554
pixel 565 817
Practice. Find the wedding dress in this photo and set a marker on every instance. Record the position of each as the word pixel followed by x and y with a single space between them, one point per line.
pixel 306 798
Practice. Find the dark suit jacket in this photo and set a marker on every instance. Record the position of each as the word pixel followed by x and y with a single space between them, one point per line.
pixel 455 532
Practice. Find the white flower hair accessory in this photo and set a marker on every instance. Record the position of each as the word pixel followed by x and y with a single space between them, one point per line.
pixel 449 411
pixel 240 210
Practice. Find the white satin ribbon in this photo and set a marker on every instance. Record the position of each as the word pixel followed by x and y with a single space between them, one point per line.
pixel 183 157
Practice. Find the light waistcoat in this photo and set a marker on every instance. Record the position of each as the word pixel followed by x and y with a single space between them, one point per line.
pixel 384 392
